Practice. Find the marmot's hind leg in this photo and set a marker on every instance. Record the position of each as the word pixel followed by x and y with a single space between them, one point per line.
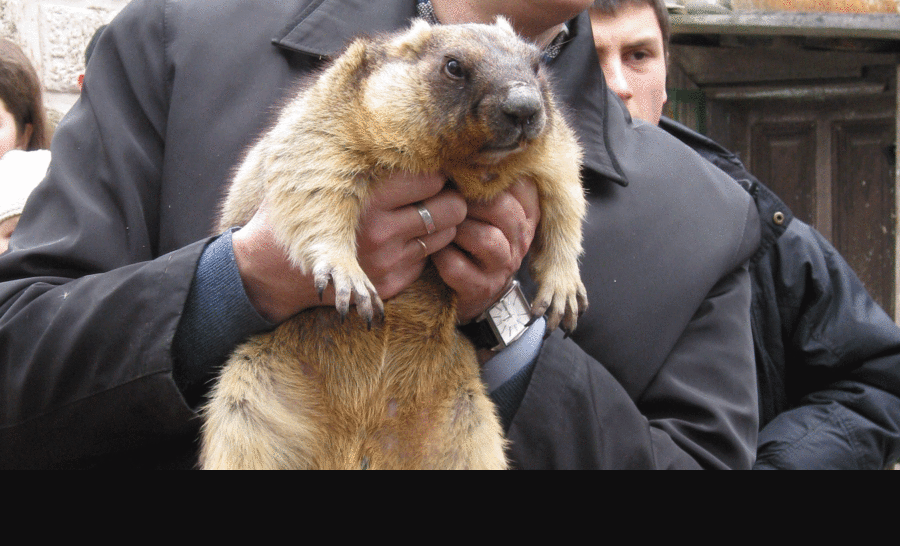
pixel 471 437
pixel 259 419
pixel 475 432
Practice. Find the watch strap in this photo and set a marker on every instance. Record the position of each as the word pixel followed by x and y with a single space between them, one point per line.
pixel 480 334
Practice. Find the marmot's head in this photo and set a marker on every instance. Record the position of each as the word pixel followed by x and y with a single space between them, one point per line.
pixel 473 94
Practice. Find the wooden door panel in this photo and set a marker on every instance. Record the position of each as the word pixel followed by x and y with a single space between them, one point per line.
pixel 863 203
pixel 784 157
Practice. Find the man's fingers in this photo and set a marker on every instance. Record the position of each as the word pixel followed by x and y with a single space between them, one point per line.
pixel 486 244
pixel 402 188
pixel 515 213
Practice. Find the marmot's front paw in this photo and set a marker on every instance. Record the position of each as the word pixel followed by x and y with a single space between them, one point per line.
pixel 350 282
pixel 561 305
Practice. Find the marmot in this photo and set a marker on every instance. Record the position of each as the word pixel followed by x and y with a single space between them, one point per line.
pixel 470 101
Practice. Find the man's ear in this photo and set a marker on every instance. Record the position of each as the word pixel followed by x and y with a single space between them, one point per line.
pixel 25 137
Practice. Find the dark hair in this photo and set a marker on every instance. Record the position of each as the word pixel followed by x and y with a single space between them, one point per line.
pixel 612 7
pixel 20 90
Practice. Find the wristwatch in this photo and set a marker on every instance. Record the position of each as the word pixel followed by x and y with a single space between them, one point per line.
pixel 502 323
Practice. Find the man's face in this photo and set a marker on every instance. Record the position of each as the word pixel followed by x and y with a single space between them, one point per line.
pixel 552 11
pixel 531 18
pixel 630 47
pixel 540 15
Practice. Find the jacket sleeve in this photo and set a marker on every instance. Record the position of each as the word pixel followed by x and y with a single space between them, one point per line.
pixel 842 363
pixel 700 411
pixel 88 307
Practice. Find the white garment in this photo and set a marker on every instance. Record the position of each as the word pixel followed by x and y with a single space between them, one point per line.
pixel 20 173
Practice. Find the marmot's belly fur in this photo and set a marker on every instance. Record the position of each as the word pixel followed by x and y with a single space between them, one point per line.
pixel 334 389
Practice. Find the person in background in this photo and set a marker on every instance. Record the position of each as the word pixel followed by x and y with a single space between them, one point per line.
pixel 827 356
pixel 24 136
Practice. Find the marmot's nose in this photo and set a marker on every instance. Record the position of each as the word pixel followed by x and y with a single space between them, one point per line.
pixel 522 104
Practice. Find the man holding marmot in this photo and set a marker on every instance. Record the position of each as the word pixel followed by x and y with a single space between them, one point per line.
pixel 133 306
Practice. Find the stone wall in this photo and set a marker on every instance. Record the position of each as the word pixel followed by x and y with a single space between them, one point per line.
pixel 819 6
pixel 54 35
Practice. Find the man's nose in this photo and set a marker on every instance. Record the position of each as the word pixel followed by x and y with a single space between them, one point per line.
pixel 615 79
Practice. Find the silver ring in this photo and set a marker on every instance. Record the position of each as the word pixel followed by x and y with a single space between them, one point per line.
pixel 424 246
pixel 427 219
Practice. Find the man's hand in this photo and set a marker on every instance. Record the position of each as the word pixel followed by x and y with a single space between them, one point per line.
pixel 491 239
pixel 388 241
pixel 388 246
pixel 489 248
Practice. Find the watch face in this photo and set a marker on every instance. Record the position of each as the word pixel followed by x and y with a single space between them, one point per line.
pixel 510 316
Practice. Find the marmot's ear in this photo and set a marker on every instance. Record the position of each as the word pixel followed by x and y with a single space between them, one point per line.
pixel 503 24
pixel 355 54
pixel 419 25
pixel 412 40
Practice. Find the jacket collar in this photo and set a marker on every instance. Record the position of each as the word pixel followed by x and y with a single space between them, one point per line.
pixel 323 28
pixel 581 88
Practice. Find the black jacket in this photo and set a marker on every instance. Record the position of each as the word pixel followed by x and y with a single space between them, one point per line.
pixel 104 257
pixel 827 356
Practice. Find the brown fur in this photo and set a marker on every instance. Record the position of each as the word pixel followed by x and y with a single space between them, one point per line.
pixel 332 390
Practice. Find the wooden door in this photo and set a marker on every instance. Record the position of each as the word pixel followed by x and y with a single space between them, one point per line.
pixel 832 164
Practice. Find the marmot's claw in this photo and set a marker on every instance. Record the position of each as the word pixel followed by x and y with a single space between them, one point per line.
pixel 321 277
pixel 348 287
pixel 539 307
pixel 342 300
pixel 569 322
pixel 379 307
pixel 553 319
pixel 372 311
pixel 575 307
pixel 560 308
pixel 370 308
pixel 582 299
pixel 321 283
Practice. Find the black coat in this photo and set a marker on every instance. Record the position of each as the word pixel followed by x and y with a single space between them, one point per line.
pixel 827 356
pixel 104 256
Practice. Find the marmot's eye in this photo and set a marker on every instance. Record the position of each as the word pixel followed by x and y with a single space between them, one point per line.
pixel 454 69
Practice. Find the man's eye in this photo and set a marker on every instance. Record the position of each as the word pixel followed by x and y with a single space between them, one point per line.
pixel 639 55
